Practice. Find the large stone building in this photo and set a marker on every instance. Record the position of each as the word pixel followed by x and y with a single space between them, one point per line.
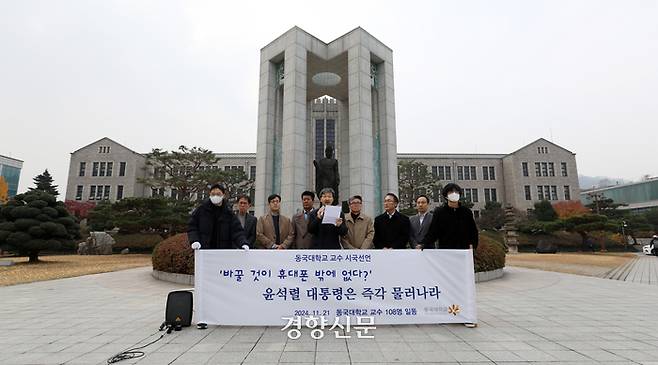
pixel 105 170
pixel 538 171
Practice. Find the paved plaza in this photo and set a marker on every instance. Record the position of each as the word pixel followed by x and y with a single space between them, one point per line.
pixel 528 316
pixel 642 269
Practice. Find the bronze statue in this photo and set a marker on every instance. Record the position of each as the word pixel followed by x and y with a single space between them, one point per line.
pixel 326 173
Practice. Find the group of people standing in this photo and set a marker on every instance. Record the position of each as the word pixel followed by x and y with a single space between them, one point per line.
pixel 213 225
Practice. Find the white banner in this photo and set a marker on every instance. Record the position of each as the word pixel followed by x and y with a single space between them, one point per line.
pixel 261 287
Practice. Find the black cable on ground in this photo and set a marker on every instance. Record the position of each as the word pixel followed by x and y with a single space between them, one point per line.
pixel 133 353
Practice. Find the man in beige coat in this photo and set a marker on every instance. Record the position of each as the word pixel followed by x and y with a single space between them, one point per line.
pixel 304 239
pixel 360 227
pixel 273 230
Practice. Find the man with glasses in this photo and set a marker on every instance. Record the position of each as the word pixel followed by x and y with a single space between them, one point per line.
pixel 273 230
pixel 360 227
pixel 391 227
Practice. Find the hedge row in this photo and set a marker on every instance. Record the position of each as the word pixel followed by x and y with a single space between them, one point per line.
pixel 174 255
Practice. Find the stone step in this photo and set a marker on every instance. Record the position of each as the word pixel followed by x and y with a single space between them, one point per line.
pixel 620 272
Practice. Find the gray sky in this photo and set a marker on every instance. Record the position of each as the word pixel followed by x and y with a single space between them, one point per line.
pixel 470 76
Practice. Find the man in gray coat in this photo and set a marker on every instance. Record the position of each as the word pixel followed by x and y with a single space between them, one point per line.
pixel 420 223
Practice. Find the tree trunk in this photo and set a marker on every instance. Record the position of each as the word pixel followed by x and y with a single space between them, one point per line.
pixel 34 257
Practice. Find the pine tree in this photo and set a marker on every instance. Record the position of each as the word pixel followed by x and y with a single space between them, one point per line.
pixel 44 182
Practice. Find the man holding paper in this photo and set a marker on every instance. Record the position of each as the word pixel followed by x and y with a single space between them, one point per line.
pixel 327 225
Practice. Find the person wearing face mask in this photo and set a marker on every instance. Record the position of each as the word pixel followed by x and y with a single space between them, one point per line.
pixel 214 226
pixel 453 224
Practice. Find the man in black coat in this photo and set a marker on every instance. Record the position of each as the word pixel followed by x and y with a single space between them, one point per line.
pixel 214 226
pixel 391 227
pixel 453 224
pixel 326 236
pixel 247 220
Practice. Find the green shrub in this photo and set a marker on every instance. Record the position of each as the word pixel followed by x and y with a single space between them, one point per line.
pixel 490 255
pixel 174 255
pixel 137 242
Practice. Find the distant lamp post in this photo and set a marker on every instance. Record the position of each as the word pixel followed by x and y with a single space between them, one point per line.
pixel 623 234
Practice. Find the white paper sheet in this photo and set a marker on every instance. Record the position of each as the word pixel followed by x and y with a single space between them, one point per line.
pixel 331 213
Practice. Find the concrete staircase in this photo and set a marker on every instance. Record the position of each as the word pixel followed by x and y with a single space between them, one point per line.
pixel 641 269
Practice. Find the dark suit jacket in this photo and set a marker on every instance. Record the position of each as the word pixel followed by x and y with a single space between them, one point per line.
pixel 303 239
pixel 418 232
pixel 391 232
pixel 208 220
pixel 250 228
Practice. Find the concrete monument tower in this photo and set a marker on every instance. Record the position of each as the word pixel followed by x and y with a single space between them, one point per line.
pixel 312 95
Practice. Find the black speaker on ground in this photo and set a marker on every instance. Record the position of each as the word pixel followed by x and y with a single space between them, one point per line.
pixel 179 309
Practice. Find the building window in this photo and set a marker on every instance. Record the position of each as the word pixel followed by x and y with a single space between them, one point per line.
pixel 488 173
pixel 524 167
pixel 325 135
pixel 99 192
pixel 442 172
pixel 92 192
pixel 563 167
pixel 78 192
pixel 94 169
pixel 540 192
pixel 319 139
pixel 471 195
pixel 537 169
pixel 102 171
pixel 551 169
pixel 553 192
pixel 252 172
pixel 104 149
pixel 542 150
pixel 83 167
pixel 490 195
pixel 119 192
pixel 106 195
pixel 466 173
pixel 109 168
pixel 122 169
pixel 544 169
pixel 567 193
pixel 528 195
